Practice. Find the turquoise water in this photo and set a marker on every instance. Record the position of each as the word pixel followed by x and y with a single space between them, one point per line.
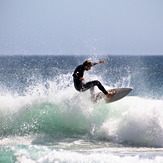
pixel 44 119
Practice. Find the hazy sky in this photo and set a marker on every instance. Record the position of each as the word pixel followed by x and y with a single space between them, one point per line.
pixel 81 27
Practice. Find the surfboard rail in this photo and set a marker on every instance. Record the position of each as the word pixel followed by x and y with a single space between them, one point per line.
pixel 119 94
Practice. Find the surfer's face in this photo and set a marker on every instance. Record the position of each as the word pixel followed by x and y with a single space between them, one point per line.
pixel 88 68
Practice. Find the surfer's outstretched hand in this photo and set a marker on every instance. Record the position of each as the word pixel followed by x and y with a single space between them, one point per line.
pixel 102 62
pixel 110 94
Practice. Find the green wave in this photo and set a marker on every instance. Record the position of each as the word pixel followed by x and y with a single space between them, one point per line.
pixel 50 118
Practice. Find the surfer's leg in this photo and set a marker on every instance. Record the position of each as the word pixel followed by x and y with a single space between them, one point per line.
pixel 87 86
pixel 100 86
pixel 92 84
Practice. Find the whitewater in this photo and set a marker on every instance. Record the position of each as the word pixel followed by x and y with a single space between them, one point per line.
pixel 43 118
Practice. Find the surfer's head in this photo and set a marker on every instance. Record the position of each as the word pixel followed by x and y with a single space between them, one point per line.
pixel 87 64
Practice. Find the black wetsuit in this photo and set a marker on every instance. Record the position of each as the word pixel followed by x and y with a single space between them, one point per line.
pixel 80 86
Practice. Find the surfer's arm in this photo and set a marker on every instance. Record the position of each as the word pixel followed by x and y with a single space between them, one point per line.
pixel 76 76
pixel 78 73
pixel 95 63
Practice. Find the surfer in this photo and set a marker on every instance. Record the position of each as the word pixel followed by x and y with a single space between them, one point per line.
pixel 79 80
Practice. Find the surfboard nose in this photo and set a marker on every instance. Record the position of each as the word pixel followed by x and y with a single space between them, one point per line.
pixel 129 89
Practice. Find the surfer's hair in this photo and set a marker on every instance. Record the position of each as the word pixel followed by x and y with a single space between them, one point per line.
pixel 87 63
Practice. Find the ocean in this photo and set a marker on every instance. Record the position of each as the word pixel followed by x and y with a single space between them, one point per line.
pixel 43 119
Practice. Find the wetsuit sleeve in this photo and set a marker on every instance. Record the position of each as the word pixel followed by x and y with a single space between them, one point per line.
pixel 95 63
pixel 76 75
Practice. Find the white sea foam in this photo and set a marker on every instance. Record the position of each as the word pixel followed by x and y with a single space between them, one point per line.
pixel 136 121
pixel 132 120
pixel 35 154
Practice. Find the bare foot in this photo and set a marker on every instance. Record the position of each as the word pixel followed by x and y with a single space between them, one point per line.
pixel 110 94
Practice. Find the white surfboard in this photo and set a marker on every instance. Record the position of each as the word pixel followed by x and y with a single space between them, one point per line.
pixel 119 94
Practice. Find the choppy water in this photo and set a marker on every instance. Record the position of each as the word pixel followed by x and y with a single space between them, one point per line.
pixel 44 119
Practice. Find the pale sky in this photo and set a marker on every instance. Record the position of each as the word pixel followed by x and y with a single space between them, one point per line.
pixel 69 27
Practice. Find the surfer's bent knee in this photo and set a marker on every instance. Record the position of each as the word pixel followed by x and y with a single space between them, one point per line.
pixel 97 82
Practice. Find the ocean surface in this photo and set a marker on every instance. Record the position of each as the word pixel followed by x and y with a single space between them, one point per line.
pixel 43 119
